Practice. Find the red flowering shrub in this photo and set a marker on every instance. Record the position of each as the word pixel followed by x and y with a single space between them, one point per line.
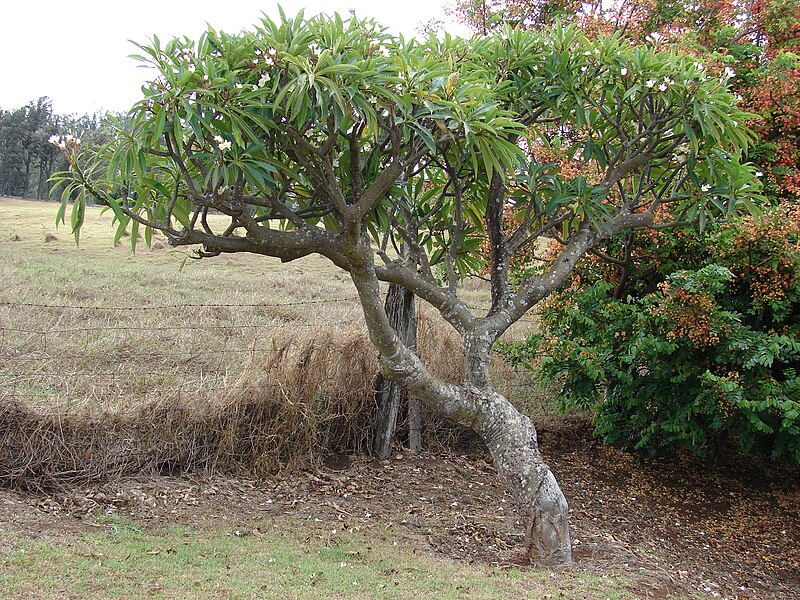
pixel 696 357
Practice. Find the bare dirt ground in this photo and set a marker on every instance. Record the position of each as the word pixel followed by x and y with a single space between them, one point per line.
pixel 684 528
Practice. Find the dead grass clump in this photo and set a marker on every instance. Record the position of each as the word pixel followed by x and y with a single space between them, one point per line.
pixel 314 394
pixel 43 451
pixel 439 346
pixel 50 238
pixel 307 398
pixel 310 396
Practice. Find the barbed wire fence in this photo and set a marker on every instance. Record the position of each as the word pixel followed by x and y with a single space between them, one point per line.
pixel 110 356
pixel 138 359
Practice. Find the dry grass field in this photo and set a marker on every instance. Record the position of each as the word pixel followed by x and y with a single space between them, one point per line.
pixel 99 324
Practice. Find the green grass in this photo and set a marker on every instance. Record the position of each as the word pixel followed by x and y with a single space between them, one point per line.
pixel 124 562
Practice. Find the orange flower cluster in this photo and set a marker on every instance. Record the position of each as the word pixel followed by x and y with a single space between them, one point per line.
pixel 690 314
pixel 765 252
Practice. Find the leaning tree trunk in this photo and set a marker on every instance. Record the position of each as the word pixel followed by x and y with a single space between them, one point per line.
pixel 509 435
pixel 511 439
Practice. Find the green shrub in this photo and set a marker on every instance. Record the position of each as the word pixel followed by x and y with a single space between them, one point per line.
pixel 711 354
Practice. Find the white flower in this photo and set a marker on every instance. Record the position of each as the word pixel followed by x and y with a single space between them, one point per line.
pixel 314 48
pixel 663 87
pixel 255 61
pixel 54 139
pixel 623 71
pixel 759 174
pixel 654 37
pixel 583 69
pixel 238 86
pixel 650 83
pixel 264 80
pixel 222 143
pixel 192 68
pixel 729 73
pixel 705 187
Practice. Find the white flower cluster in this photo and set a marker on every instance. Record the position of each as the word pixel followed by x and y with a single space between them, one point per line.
pixel 663 86
pixel 65 141
pixel 681 152
pixel 268 56
pixel 222 143
pixel 654 38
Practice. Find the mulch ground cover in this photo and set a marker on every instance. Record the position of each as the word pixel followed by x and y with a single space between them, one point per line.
pixel 678 527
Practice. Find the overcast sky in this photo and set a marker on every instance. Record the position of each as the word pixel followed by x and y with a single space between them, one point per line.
pixel 76 51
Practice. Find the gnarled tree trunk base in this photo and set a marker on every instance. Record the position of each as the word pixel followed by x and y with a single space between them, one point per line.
pixel 544 512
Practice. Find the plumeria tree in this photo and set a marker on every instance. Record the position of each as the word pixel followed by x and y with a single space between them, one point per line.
pixel 328 136
pixel 662 348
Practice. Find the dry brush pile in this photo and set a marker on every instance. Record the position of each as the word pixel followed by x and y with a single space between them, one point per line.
pixel 310 395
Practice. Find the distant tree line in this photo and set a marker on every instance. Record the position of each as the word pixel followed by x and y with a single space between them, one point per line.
pixel 27 158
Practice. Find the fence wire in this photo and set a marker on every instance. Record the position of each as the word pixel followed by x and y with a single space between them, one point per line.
pixel 56 362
